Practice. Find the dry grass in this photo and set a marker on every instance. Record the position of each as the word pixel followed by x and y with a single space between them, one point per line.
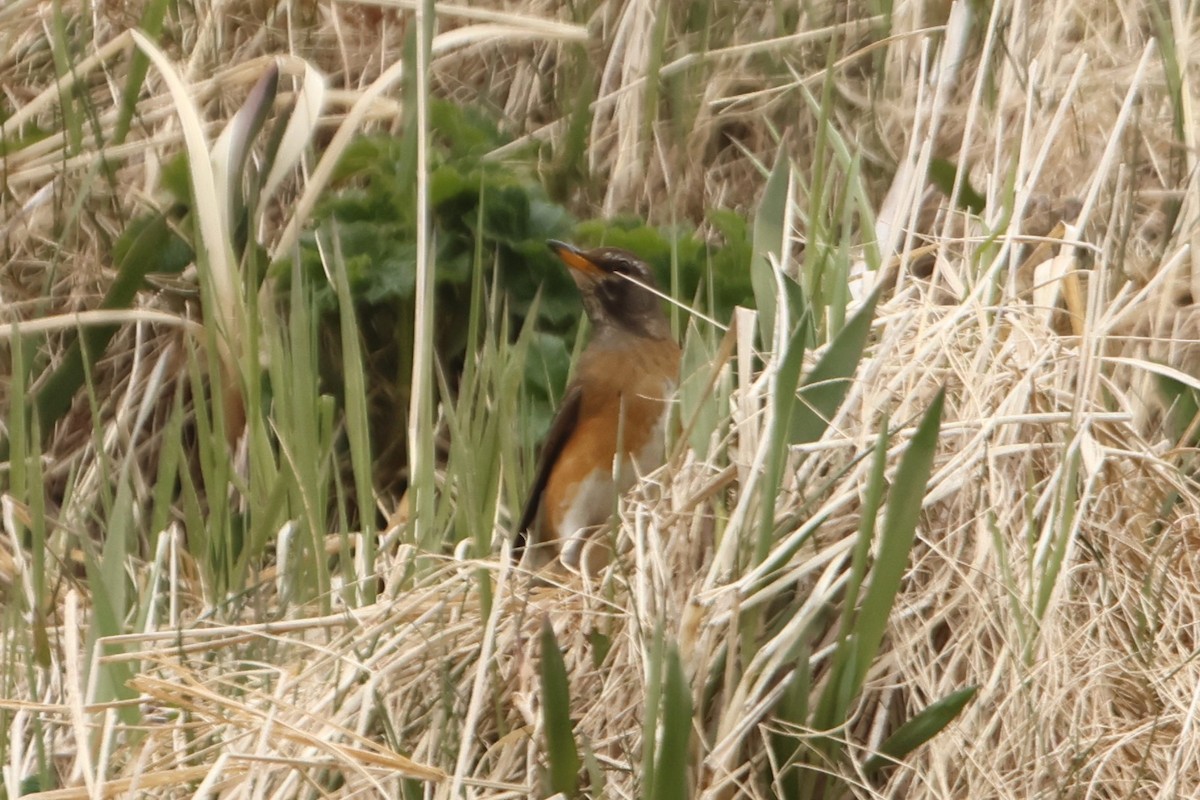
pixel 1055 565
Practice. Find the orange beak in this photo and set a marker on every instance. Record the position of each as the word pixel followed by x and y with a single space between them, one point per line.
pixel 574 258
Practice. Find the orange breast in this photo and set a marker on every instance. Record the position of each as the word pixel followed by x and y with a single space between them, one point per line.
pixel 625 395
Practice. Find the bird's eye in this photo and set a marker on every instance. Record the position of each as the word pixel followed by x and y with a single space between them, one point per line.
pixel 623 267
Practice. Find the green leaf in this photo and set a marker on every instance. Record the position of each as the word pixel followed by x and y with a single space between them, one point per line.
pixel 831 709
pixel 653 695
pixel 920 729
pixel 148 244
pixel 699 407
pixel 769 236
pixel 601 646
pixel 465 131
pixel 671 765
pixel 174 177
pixel 547 220
pixel 793 710
pixel 943 173
pixel 826 385
pixel 153 239
pixel 785 398
pixel 447 184
pixel 556 717
pixel 150 24
pixel 731 225
pixel 1184 404
pixel 899 530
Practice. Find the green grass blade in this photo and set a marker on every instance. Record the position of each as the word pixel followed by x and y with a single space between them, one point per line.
pixel 150 24
pixel 786 380
pixel 920 729
pixel 700 390
pixel 147 245
pixel 14 448
pixel 556 717
pixel 62 48
pixel 899 530
pixel 1065 518
pixel 219 277
pixel 831 709
pixel 110 589
pixel 671 764
pixel 872 500
pixel 358 433
pixel 793 710
pixel 826 385
pixel 770 236
pixel 653 695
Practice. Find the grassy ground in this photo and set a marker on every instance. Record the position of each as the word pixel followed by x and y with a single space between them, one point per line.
pixel 209 590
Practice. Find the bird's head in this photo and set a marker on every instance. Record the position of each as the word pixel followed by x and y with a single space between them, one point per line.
pixel 618 289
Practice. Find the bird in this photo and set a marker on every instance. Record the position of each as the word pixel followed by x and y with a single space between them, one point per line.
pixel 618 401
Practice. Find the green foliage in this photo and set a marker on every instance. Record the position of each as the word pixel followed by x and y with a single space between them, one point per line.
pixel 899 530
pixel 1183 420
pixel 556 716
pixel 794 317
pixel 711 279
pixel 920 728
pixel 770 229
pixel 943 174
pixel 491 219
pixel 667 727
pixel 213 192
pixel 474 203
pixel 498 207
pixel 147 244
pixel 871 590
pixel 671 761
pixel 825 386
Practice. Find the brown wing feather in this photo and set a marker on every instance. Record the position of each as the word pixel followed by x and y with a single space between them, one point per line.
pixel 552 446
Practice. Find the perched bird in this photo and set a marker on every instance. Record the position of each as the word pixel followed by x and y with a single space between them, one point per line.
pixel 618 401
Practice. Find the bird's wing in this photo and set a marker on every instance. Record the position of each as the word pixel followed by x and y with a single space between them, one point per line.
pixel 560 431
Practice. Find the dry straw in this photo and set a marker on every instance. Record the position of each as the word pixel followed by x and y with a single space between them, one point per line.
pixel 1055 562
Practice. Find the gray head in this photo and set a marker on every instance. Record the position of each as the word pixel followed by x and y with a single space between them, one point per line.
pixel 608 279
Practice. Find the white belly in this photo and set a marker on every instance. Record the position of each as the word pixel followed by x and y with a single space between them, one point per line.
pixel 596 499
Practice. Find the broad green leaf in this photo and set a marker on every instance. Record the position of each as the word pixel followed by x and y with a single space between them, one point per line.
pixel 786 380
pixel 770 233
pixel 147 245
pixel 831 709
pixel 943 173
pixel 601 644
pixel 920 729
pixel 556 717
pixel 151 24
pixel 899 530
pixel 826 385
pixel 671 763
pixel 793 710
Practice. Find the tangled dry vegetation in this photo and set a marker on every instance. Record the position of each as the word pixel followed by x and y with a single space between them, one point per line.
pixel 1055 564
